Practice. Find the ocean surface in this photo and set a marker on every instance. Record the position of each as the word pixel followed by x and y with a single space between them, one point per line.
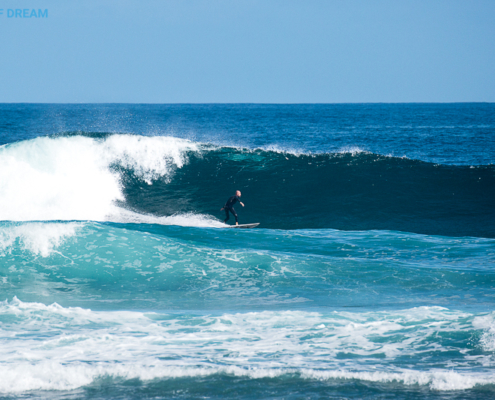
pixel 371 275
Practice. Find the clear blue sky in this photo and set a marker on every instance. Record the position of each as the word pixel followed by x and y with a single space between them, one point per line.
pixel 236 51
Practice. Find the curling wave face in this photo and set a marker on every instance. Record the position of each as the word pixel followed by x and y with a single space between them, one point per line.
pixel 165 180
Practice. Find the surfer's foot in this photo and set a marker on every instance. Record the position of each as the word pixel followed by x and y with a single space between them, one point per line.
pixel 237 223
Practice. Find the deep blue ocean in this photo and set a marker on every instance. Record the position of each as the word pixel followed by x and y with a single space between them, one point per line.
pixel 370 276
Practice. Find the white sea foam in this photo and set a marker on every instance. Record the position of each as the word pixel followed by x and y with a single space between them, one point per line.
pixel 184 219
pixel 435 379
pixel 283 150
pixel 52 347
pixel 36 237
pixel 353 150
pixel 71 178
pixel 487 324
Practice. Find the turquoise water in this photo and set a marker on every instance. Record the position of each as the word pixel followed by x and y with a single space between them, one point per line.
pixel 370 276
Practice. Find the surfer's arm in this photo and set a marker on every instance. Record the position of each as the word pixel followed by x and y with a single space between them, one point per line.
pixel 241 203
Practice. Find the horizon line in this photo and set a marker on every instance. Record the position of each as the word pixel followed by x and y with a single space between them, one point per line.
pixel 246 103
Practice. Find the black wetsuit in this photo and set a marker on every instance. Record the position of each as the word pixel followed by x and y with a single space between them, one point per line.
pixel 229 206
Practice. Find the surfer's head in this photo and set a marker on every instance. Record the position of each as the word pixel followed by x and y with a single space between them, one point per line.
pixel 238 193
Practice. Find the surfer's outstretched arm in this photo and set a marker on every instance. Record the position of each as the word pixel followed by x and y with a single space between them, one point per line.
pixel 241 203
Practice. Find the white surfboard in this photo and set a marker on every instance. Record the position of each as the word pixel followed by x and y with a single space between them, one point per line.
pixel 245 226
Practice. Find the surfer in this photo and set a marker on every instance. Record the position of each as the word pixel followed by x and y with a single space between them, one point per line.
pixel 229 206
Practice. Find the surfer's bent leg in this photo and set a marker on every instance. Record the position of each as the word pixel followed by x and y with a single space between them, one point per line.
pixel 233 212
pixel 227 216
